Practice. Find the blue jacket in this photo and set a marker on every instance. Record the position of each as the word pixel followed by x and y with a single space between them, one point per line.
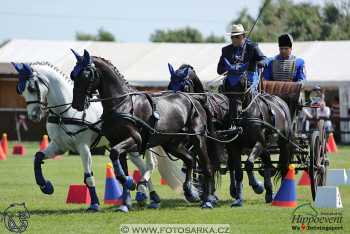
pixel 252 56
pixel 299 73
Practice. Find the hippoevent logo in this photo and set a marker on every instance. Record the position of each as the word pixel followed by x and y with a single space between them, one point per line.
pixel 15 217
pixel 306 218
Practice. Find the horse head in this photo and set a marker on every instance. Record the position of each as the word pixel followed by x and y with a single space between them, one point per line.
pixel 184 79
pixel 33 88
pixel 86 80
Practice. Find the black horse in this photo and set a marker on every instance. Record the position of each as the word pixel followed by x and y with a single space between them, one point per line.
pixel 256 132
pixel 134 121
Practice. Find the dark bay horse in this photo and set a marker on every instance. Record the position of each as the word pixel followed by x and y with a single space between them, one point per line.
pixel 255 134
pixel 134 121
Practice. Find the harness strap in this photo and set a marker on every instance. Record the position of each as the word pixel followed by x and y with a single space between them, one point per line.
pixel 72 121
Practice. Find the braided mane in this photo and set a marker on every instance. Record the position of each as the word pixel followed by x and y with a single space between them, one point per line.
pixel 114 69
pixel 46 63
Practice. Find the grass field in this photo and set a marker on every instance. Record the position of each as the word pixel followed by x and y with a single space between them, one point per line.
pixel 50 213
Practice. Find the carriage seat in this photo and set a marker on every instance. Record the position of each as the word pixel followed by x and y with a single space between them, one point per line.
pixel 288 91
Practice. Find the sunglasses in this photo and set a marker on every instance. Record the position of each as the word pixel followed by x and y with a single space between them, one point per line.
pixel 284 48
pixel 236 36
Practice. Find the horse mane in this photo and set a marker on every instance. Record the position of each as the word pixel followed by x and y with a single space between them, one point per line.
pixel 116 72
pixel 59 71
pixel 198 86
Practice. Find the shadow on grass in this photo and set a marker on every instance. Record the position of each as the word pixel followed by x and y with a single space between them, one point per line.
pixel 57 211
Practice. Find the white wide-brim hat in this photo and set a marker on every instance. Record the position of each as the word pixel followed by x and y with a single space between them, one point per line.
pixel 236 29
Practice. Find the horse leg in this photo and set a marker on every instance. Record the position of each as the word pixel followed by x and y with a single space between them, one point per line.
pixel 182 153
pixel 249 166
pixel 151 163
pixel 265 156
pixel 214 153
pixel 236 174
pixel 127 181
pixel 52 150
pixel 200 146
pixel 89 179
pixel 141 194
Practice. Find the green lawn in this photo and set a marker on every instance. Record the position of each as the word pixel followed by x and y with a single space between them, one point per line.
pixel 50 213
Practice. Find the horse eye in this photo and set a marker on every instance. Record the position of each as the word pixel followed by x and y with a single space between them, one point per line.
pixel 31 88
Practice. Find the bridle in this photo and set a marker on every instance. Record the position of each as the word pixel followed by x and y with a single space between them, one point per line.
pixel 36 89
pixel 89 73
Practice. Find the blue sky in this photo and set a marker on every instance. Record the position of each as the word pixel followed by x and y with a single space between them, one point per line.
pixel 129 21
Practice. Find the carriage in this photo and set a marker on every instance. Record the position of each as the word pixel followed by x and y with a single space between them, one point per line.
pixel 309 145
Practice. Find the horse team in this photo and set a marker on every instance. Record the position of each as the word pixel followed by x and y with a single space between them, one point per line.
pixel 199 127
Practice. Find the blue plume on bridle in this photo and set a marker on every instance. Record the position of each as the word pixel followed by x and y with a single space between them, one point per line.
pixel 24 74
pixel 178 78
pixel 82 62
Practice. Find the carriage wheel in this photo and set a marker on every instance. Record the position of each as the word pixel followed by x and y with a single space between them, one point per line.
pixel 318 162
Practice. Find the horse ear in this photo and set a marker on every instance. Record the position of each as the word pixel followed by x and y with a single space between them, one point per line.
pixel 86 58
pixel 27 69
pixel 171 69
pixel 17 66
pixel 186 72
pixel 77 56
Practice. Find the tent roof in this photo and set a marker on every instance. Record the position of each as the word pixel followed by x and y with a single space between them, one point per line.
pixel 145 64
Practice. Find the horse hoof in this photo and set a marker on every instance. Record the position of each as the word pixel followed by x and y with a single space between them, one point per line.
pixel 268 197
pixel 213 199
pixel 207 205
pixel 153 196
pixel 237 203
pixel 233 191
pixel 258 188
pixel 141 198
pixel 192 197
pixel 93 208
pixel 47 188
pixel 123 208
pixel 130 184
pixel 154 205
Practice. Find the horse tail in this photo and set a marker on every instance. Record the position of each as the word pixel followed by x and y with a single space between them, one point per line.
pixel 169 170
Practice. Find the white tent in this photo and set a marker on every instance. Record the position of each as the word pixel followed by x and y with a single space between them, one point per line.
pixel 145 64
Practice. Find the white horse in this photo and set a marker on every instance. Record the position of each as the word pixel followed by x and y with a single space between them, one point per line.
pixel 42 85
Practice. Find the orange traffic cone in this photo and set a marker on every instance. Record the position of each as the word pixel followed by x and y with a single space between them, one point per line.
pixel 163 181
pixel 113 191
pixel 44 143
pixel 5 144
pixel 287 195
pixel 305 179
pixel 332 146
pixel 2 154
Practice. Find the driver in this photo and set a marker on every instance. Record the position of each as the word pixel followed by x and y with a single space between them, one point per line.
pixel 240 58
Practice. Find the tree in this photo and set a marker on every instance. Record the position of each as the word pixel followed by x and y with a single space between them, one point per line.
pixel 214 39
pixel 184 35
pixel 305 21
pixel 102 35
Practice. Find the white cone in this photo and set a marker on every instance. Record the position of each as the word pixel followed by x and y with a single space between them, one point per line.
pixel 336 177
pixel 328 197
